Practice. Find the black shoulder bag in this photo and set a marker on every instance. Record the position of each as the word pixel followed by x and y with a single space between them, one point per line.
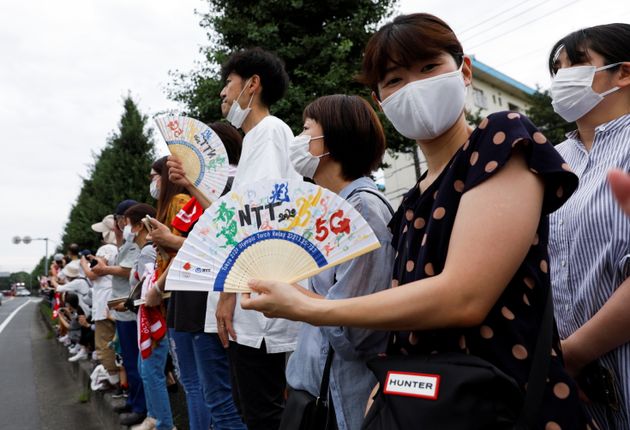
pixel 457 391
pixel 304 411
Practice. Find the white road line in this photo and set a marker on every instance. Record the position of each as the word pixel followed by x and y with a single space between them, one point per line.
pixel 14 313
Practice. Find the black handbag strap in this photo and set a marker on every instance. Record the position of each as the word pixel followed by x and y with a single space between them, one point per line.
pixel 375 193
pixel 323 388
pixel 540 369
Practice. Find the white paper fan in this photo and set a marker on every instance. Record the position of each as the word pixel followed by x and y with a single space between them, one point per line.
pixel 200 149
pixel 274 230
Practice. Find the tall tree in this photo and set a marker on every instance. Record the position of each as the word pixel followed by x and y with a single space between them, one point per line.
pixel 550 123
pixel 39 269
pixel 320 41
pixel 119 172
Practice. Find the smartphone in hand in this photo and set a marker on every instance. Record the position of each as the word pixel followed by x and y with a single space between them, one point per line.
pixel 146 221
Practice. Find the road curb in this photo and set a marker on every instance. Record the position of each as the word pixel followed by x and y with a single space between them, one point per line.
pixel 101 402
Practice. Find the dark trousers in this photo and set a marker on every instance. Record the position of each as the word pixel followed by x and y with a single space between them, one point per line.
pixel 128 338
pixel 260 383
pixel 87 338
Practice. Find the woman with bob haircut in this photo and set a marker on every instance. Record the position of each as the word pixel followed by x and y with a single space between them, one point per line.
pixel 471 274
pixel 342 143
pixel 589 237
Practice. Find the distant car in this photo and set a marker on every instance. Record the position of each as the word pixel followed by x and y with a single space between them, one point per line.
pixel 22 292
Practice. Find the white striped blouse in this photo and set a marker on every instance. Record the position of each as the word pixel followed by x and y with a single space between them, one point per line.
pixel 589 245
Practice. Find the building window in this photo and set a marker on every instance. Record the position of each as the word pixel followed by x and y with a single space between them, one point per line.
pixel 494 99
pixel 480 98
pixel 500 101
pixel 513 107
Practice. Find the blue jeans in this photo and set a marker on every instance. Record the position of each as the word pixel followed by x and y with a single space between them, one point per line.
pixel 152 372
pixel 205 374
pixel 128 338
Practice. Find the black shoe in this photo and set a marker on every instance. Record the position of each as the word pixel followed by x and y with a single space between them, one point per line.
pixel 131 419
pixel 122 408
pixel 119 393
pixel 173 388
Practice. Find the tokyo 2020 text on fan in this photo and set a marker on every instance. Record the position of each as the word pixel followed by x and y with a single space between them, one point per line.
pixel 274 230
pixel 199 149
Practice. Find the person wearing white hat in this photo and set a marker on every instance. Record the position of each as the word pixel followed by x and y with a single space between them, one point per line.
pixel 77 284
pixel 101 293
pixel 106 228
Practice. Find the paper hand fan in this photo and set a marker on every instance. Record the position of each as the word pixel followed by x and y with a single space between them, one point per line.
pixel 273 230
pixel 200 150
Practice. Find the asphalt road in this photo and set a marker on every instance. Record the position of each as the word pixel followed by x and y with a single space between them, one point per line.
pixel 36 386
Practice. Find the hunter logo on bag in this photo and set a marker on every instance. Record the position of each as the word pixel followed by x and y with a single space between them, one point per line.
pixel 421 385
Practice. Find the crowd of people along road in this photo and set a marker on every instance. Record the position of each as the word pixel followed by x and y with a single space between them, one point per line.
pixel 467 261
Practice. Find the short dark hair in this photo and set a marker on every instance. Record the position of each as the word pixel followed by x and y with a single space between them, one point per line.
pixel 611 41
pixel 231 138
pixel 256 61
pixel 404 41
pixel 73 249
pixel 139 211
pixel 168 189
pixel 352 132
pixel 72 299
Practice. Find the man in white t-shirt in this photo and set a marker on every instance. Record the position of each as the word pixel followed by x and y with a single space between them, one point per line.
pixel 254 80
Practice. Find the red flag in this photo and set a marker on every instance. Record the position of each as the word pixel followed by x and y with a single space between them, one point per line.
pixel 187 215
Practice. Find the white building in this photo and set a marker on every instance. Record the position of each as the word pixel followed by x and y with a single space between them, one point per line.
pixel 491 91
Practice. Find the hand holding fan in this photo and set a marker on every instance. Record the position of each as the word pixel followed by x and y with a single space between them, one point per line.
pixel 274 230
pixel 199 149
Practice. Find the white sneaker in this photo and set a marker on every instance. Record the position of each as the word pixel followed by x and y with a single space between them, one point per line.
pixel 97 378
pixel 81 355
pixel 94 356
pixel 148 424
pixel 74 349
pixel 63 339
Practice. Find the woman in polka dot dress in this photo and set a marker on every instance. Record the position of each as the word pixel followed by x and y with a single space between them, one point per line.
pixel 471 271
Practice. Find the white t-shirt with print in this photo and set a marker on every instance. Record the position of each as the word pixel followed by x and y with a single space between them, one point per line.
pixel 264 156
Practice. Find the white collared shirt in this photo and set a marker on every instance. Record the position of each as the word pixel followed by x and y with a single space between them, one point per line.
pixel 264 156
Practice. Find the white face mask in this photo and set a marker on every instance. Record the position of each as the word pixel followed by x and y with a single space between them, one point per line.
pixel 236 116
pixel 425 109
pixel 154 190
pixel 303 161
pixel 128 235
pixel 572 93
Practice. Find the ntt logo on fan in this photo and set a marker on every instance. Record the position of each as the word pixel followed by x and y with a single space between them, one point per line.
pixel 190 268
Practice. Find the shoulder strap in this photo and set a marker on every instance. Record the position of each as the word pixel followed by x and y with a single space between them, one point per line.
pixel 86 280
pixel 540 368
pixel 323 388
pixel 373 192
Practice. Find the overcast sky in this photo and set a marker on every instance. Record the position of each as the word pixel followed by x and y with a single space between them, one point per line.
pixel 66 66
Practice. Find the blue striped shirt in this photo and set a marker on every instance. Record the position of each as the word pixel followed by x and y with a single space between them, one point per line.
pixel 589 245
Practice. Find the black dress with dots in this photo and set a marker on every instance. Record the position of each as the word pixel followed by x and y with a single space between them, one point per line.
pixel 421 232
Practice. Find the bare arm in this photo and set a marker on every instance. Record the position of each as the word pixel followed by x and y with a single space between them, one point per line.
pixel 608 329
pixel 85 265
pixel 496 222
pixel 102 269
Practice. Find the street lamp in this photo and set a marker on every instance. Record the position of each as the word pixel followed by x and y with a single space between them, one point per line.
pixel 28 239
